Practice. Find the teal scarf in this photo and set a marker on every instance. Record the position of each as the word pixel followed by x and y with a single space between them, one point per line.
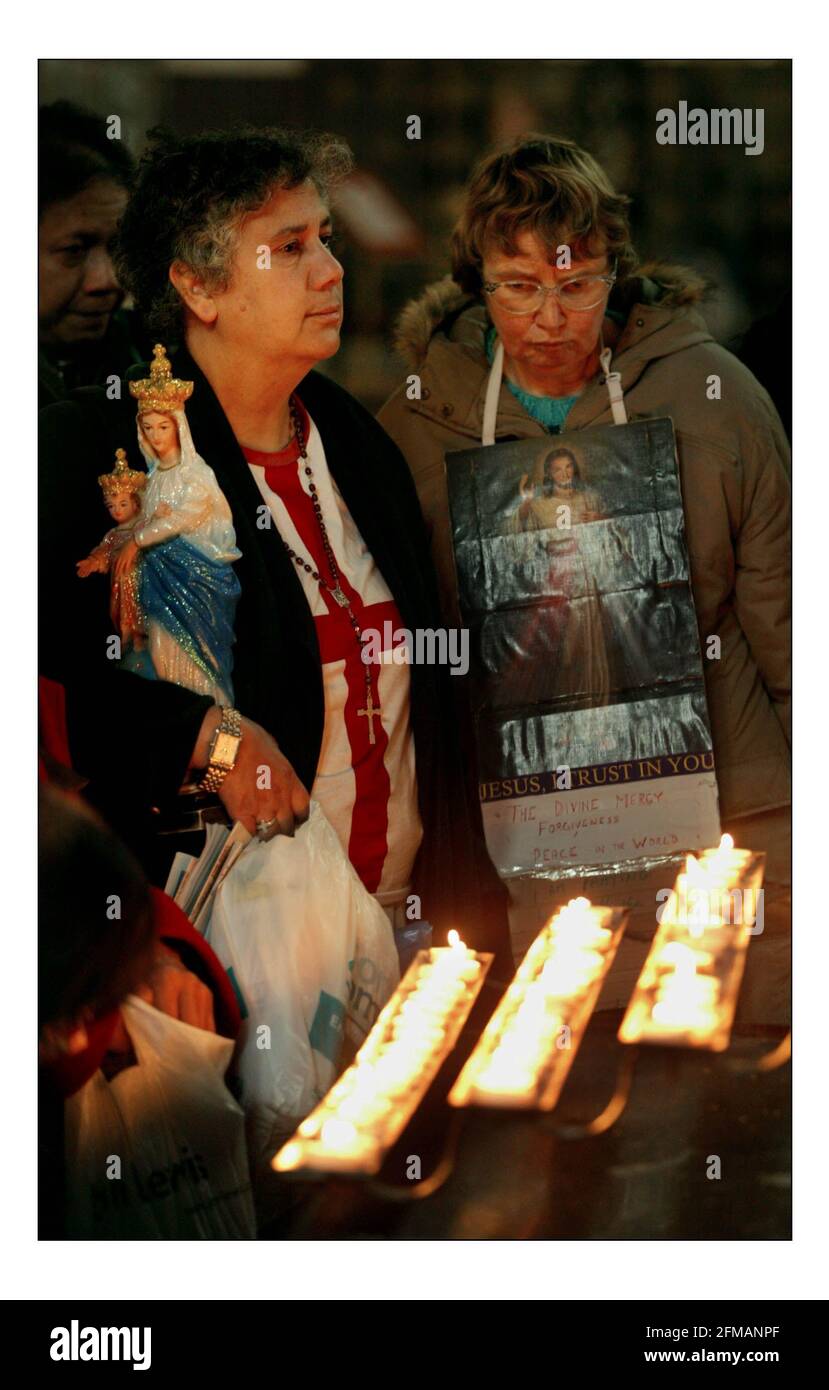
pixel 549 411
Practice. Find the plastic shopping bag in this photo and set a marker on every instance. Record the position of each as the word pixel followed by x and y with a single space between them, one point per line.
pixel 158 1152
pixel 313 959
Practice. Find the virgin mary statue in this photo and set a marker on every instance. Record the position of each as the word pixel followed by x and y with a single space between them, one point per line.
pixel 187 588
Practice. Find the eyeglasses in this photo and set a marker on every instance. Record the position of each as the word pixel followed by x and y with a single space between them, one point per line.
pixel 527 296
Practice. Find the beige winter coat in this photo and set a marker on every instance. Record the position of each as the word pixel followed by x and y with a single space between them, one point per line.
pixel 734 470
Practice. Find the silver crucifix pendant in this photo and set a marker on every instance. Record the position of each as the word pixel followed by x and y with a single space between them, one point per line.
pixel 371 713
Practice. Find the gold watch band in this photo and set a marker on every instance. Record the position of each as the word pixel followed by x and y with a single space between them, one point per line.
pixel 231 723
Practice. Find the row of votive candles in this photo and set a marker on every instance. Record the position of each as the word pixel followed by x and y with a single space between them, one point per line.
pixel 368 1107
pixel 686 994
pixel 526 1050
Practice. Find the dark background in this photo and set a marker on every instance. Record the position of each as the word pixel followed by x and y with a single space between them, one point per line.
pixel 724 211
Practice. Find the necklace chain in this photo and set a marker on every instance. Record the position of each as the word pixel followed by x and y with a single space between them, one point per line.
pixel 371 710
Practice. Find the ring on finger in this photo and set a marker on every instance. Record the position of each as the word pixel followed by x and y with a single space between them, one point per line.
pixel 265 828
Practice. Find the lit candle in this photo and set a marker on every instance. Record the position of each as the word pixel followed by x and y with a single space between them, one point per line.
pixel 368 1107
pixel 673 1001
pixel 518 1060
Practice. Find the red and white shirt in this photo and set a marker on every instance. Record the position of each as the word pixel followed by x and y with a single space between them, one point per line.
pixel 367 791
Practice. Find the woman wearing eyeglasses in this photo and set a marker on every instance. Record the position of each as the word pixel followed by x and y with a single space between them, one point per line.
pixel 540 243
pixel 544 278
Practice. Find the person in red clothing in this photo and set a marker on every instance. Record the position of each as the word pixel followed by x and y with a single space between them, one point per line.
pixel 104 933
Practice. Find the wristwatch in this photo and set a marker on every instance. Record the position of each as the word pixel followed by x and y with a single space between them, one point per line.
pixel 223 750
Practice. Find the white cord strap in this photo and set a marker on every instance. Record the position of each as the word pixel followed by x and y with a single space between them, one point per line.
pixel 613 382
pixel 493 391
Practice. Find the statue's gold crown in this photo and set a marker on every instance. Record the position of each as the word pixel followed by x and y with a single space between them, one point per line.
pixel 160 390
pixel 122 478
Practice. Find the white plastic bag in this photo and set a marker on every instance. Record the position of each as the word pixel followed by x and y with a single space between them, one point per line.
pixel 313 958
pixel 158 1152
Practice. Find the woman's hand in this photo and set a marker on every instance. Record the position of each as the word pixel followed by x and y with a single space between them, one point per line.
pixel 176 991
pixel 262 786
pixel 126 559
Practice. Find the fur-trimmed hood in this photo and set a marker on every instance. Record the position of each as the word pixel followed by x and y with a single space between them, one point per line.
pixel 655 282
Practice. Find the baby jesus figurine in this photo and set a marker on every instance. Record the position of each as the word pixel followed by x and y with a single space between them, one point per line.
pixel 122 499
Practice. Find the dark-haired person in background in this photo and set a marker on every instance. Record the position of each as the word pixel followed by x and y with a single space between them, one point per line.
pixel 83 182
pixel 226 246
pixel 89 961
pixel 765 347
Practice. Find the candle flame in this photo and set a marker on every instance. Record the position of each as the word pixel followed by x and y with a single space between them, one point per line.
pixel 679 956
pixel 727 842
pixel 291 1155
pixel 338 1134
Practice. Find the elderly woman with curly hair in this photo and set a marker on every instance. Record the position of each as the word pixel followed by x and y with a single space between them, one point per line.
pixel 227 247
pixel 544 277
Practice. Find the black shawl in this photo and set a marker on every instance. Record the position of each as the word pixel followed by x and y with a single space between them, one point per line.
pixel 133 738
